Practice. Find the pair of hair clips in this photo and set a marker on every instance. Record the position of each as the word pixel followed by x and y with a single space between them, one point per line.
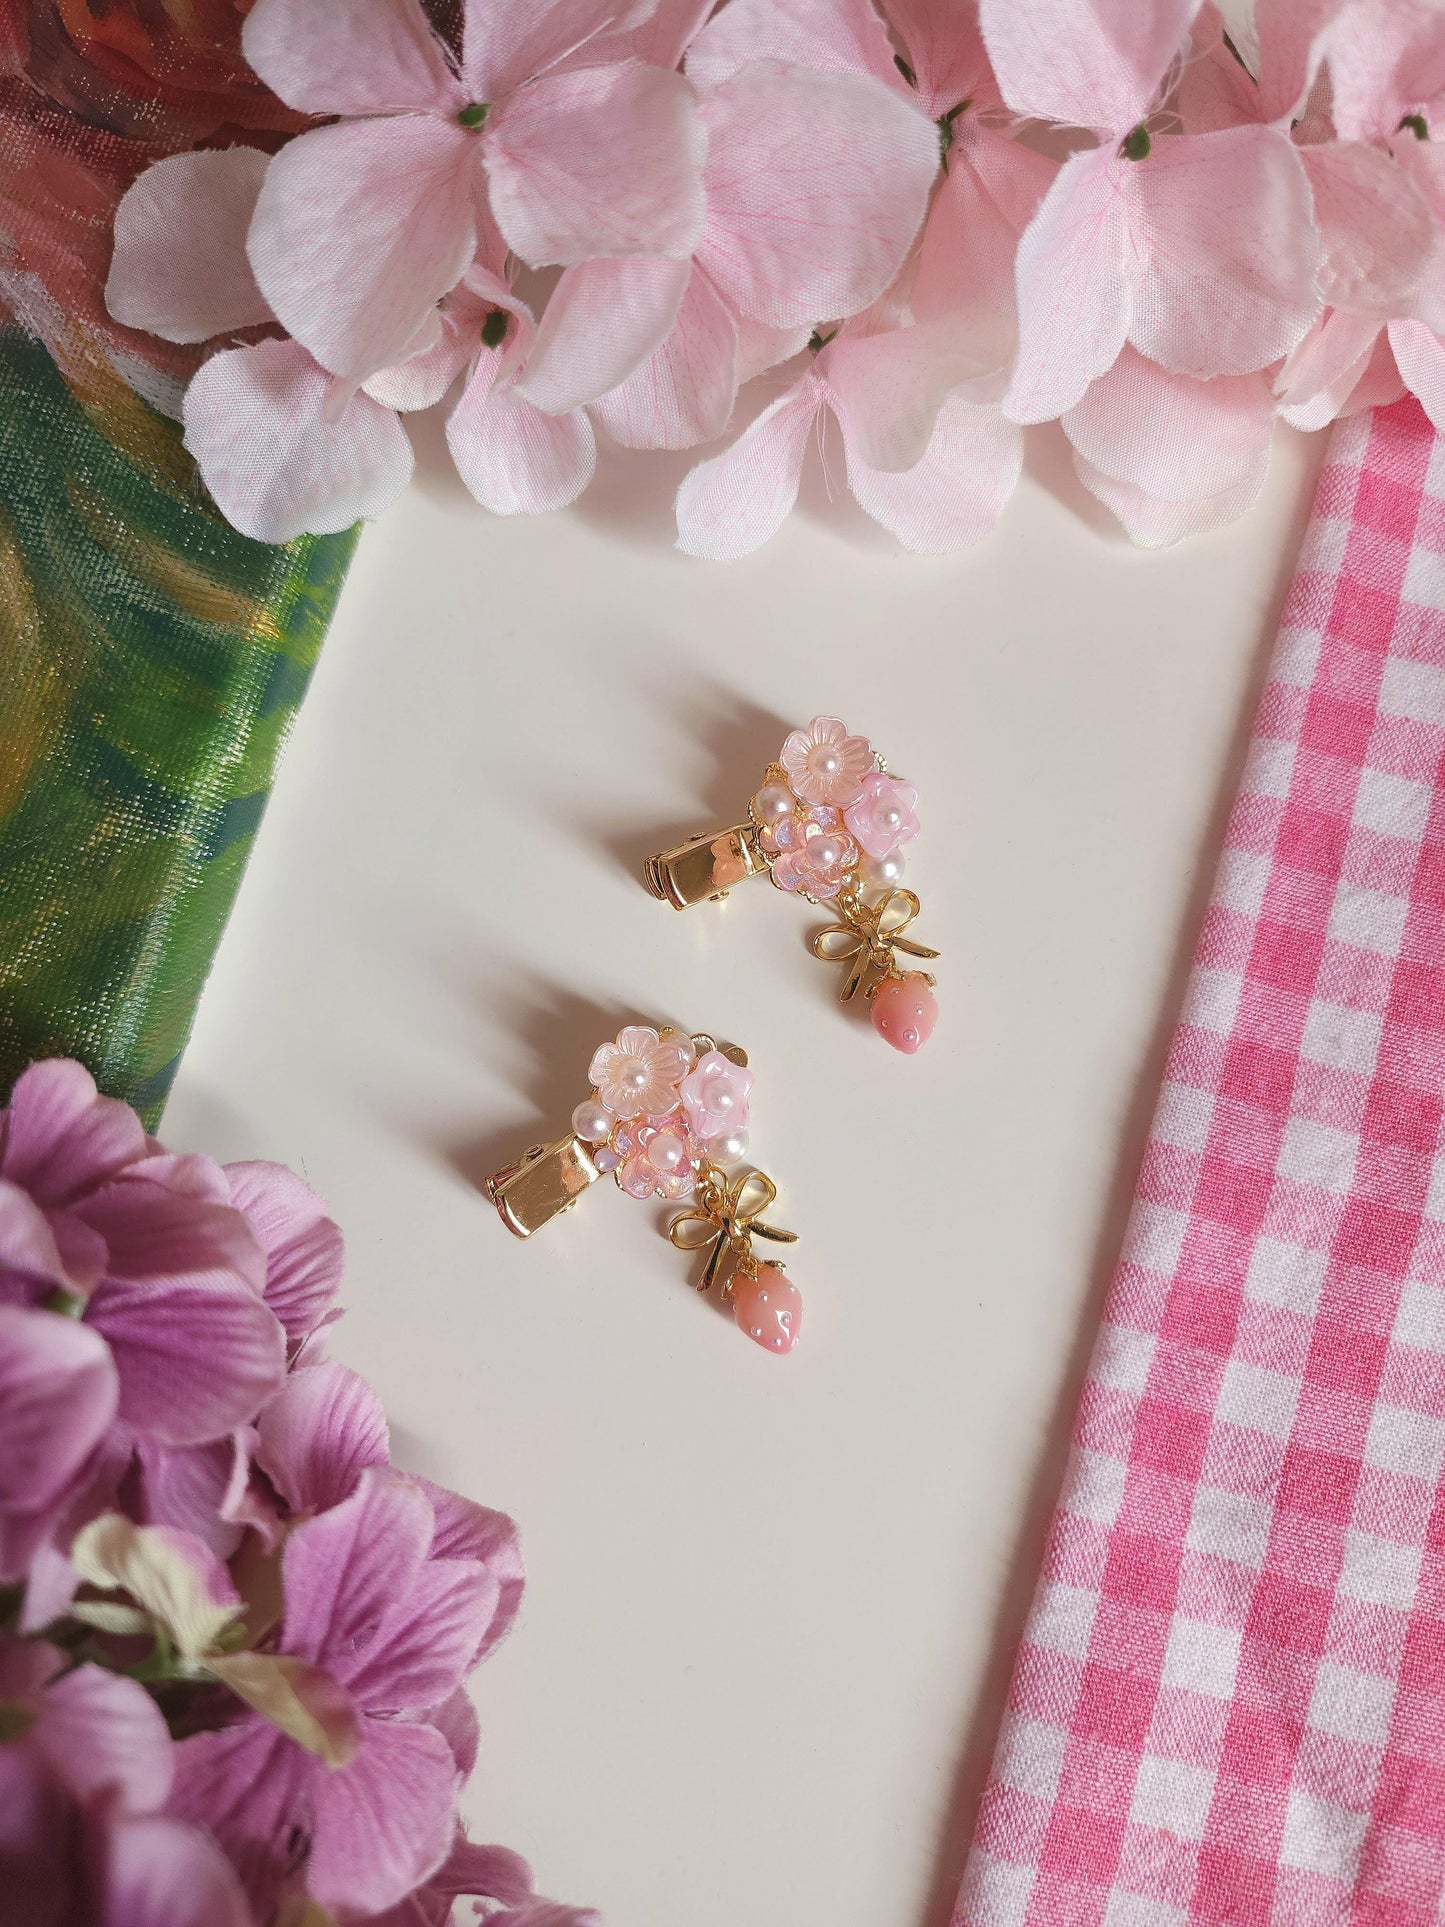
pixel 668 1113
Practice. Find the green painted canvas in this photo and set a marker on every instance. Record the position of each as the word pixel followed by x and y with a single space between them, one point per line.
pixel 151 663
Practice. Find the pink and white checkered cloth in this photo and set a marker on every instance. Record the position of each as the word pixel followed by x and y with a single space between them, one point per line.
pixel 1229 1704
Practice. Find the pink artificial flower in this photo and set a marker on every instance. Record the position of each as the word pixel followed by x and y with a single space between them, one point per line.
pixel 383 1632
pixel 514 458
pixel 812 853
pixel 85 1764
pixel 960 285
pixel 885 816
pixel 824 764
pixel 1168 455
pixel 948 498
pixel 1380 198
pixel 365 224
pixel 715 1095
pixel 145 1249
pixel 638 1076
pixel 815 186
pixel 1197 249
pixel 284 446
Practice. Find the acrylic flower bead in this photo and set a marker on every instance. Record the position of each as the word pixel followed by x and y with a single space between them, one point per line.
pixel 812 853
pixel 825 764
pixel 715 1095
pixel 659 1156
pixel 640 1073
pixel 885 815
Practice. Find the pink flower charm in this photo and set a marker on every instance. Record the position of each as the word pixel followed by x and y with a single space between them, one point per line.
pixel 640 1073
pixel 825 764
pixel 812 853
pixel 716 1095
pixel 660 1157
pixel 885 815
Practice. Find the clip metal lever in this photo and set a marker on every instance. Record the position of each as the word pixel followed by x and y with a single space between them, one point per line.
pixel 706 866
pixel 541 1185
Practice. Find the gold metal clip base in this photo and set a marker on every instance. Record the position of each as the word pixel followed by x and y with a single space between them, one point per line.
pixel 706 866
pixel 543 1184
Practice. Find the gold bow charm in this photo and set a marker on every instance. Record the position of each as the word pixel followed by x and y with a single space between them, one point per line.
pixel 725 1222
pixel 867 936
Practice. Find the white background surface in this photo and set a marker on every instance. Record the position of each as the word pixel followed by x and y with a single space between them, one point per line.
pixel 772 1602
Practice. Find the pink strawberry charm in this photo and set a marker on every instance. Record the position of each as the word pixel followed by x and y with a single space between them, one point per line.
pixel 769 1307
pixel 905 1011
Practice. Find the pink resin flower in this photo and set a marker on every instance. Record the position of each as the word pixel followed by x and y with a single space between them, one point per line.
pixel 885 815
pixel 660 1157
pixel 812 853
pixel 825 764
pixel 639 1074
pixel 716 1095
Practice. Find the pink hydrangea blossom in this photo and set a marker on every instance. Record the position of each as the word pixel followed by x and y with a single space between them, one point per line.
pixel 885 816
pixel 284 445
pixel 949 498
pixel 815 184
pixel 1198 249
pixel 365 224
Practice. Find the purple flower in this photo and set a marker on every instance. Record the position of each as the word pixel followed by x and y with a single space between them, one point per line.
pixel 380 1626
pixel 85 1764
pixel 57 1402
pixel 146 1249
pixel 486 1873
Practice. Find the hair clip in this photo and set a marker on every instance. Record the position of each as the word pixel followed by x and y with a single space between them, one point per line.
pixel 668 1119
pixel 827 823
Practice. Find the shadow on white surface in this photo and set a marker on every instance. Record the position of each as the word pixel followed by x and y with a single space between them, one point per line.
pixel 632 495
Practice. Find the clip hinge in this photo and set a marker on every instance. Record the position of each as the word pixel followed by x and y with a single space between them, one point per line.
pixel 706 866
pixel 544 1183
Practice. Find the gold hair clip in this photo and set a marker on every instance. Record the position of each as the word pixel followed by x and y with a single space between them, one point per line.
pixel 667 1119
pixel 828 823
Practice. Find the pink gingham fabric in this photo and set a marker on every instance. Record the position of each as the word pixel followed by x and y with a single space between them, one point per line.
pixel 1229 1704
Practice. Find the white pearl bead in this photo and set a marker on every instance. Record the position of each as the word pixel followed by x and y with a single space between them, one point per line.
pixel 826 852
pixel 665 1152
pixel 636 1078
pixel 892 817
pixel 772 803
pixel 828 762
pixel 607 1159
pixel 592 1121
pixel 882 872
pixel 728 1147
pixel 720 1096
